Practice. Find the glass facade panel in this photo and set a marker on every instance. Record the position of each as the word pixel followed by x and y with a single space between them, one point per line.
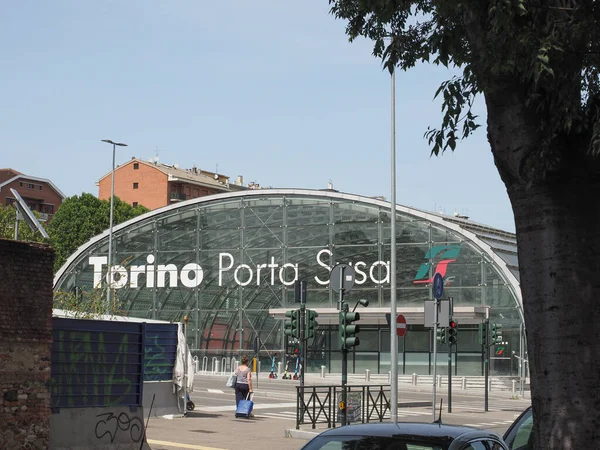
pixel 230 263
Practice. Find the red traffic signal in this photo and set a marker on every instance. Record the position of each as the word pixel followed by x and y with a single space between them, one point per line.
pixel 452 333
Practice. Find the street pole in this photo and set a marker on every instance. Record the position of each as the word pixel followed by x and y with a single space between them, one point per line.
pixel 110 230
pixel 393 303
pixel 521 365
pixel 344 374
pixel 435 328
pixel 185 370
pixel 486 361
pixel 344 308
pixel 449 377
pixel 302 355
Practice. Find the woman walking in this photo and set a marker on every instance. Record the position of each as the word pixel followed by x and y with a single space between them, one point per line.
pixel 243 386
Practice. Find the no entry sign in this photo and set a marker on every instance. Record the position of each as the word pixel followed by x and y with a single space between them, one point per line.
pixel 400 325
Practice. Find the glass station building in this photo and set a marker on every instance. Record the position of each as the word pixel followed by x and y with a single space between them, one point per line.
pixel 230 261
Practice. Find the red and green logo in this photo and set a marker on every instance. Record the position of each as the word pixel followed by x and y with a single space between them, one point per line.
pixel 447 253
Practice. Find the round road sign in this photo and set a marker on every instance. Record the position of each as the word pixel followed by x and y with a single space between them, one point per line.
pixel 342 277
pixel 438 285
pixel 400 325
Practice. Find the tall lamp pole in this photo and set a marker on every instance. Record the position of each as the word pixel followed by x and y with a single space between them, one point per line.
pixel 393 303
pixel 110 230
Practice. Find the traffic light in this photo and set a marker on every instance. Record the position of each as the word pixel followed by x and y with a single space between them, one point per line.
pixel 311 323
pixel 495 333
pixel 452 332
pixel 441 335
pixel 348 330
pixel 292 325
pixel 482 335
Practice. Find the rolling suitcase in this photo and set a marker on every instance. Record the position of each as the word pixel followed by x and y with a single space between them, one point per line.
pixel 244 408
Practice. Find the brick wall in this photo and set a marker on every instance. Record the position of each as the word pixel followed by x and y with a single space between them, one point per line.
pixel 25 344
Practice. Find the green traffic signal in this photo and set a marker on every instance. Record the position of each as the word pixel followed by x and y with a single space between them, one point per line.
pixel 441 335
pixel 348 330
pixel 482 335
pixel 495 333
pixel 311 323
pixel 292 325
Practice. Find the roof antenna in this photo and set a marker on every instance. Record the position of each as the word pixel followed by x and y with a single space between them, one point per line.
pixel 439 419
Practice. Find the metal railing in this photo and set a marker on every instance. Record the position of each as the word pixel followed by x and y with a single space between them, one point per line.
pixel 320 404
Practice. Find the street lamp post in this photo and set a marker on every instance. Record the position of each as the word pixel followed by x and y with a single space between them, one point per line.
pixel 393 302
pixel 110 230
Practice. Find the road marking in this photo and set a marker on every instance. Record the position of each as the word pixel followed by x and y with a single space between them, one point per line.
pixel 215 391
pixel 178 445
pixel 291 416
pixel 232 407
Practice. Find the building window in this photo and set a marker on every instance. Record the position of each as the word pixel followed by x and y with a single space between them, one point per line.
pixel 40 187
pixel 30 186
pixel 135 204
pixel 136 166
pixel 21 184
pixel 135 185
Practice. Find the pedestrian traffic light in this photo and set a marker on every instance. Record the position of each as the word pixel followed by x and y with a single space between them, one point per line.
pixel 482 334
pixel 441 335
pixel 292 325
pixel 452 332
pixel 348 330
pixel 495 333
pixel 311 323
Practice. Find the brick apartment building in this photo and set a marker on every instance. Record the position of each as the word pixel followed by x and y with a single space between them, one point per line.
pixel 40 194
pixel 154 185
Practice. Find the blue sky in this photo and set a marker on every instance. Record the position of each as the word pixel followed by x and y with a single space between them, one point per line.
pixel 268 89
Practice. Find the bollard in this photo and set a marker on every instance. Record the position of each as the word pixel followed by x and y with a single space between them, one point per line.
pixel 259 363
pixel 367 375
pixel 414 379
pixel 390 377
pixel 217 366
pixel 223 366
pixel 463 383
pixel 279 365
pixel 490 385
pixel 439 381
pixel 323 371
pixel 514 386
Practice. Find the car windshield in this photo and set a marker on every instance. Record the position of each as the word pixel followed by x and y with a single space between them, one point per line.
pixel 368 443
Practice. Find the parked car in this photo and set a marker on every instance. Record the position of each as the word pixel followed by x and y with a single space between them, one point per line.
pixel 406 436
pixel 519 435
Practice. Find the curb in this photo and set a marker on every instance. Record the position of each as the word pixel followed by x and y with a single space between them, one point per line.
pixel 299 434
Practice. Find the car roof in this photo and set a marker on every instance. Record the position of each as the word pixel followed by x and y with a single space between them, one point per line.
pixel 412 431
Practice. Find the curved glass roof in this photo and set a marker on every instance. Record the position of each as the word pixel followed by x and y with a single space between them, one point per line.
pixel 225 260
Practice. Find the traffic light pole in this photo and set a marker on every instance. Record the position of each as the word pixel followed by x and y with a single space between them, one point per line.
pixel 343 308
pixel 486 361
pixel 302 341
pixel 449 377
pixel 435 328
pixel 344 374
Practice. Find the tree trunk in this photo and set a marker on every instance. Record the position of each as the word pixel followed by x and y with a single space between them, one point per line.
pixel 558 229
pixel 557 221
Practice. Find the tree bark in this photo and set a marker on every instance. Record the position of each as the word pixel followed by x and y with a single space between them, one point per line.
pixel 557 220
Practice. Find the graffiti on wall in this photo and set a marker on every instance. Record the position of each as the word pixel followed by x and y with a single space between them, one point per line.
pixel 96 364
pixel 160 351
pixel 108 425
